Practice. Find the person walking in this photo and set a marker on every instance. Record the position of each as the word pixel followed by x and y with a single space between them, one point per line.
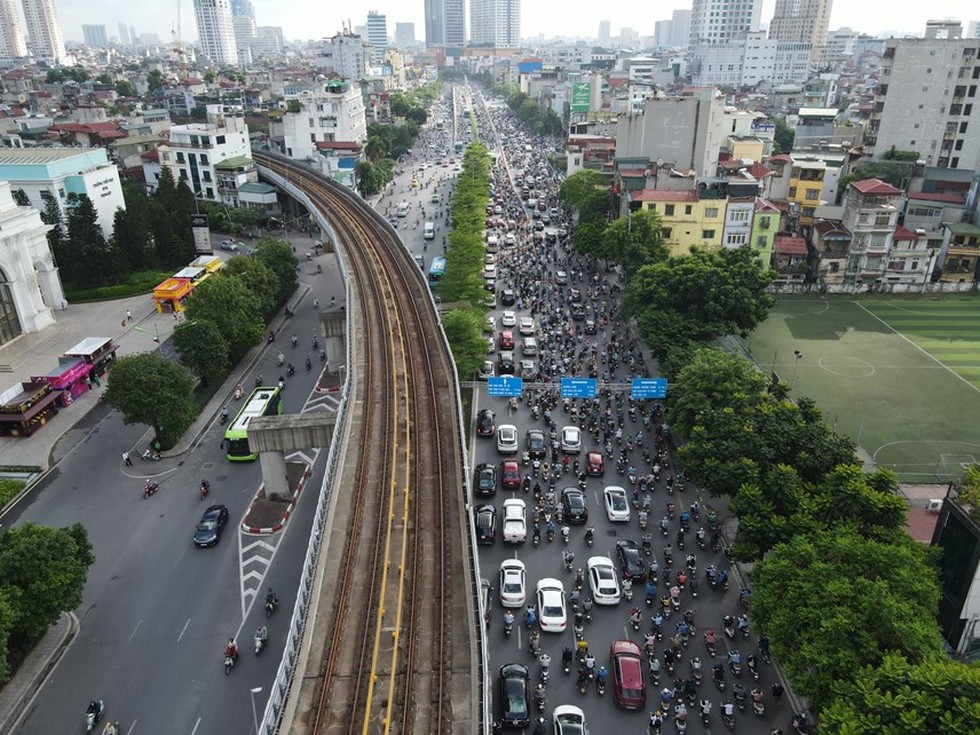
pixel 127 460
pixel 129 315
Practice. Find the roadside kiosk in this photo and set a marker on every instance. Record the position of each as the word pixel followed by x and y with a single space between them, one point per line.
pixel 99 352
pixel 70 379
pixel 25 408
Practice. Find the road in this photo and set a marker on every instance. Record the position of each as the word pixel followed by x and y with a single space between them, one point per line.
pixel 157 611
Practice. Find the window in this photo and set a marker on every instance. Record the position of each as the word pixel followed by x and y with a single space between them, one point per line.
pixel 958 146
pixel 792 192
pixel 209 192
pixel 665 231
pixel 736 239
pixel 954 163
pixel 180 157
pixel 707 234
pixel 310 122
pixel 688 209
pixel 963 125
pixel 220 139
pixel 896 265
pixel 834 267
pixel 206 176
pixel 668 210
pixel 812 194
pixel 204 159
pixel 711 212
pixel 968 110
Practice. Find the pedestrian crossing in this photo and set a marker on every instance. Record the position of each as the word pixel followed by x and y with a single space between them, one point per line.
pixel 255 558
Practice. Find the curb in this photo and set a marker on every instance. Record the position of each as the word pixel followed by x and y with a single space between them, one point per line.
pixel 258 531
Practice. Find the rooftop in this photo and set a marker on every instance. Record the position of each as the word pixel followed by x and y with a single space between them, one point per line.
pixel 932 196
pixel 658 195
pixel 790 245
pixel 39 156
pixel 875 187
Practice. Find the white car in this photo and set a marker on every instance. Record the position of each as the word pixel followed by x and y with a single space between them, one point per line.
pixel 567 719
pixel 507 439
pixel 489 272
pixel 551 605
pixel 526 327
pixel 617 504
pixel 571 440
pixel 508 319
pixel 603 581
pixel 487 371
pixel 513 583
pixel 515 523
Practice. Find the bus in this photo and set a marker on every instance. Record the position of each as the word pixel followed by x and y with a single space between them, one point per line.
pixel 436 270
pixel 262 402
pixel 458 146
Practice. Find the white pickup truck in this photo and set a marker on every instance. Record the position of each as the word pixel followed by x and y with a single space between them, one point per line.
pixel 515 523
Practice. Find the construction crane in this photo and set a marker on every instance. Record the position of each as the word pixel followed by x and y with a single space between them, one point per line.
pixel 178 47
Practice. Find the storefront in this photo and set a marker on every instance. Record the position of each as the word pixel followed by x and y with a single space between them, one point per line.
pixel 71 378
pixel 99 352
pixel 28 409
pixel 170 294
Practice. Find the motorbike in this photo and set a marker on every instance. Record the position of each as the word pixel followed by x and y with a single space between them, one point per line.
pixel 229 662
pixel 589 534
pixel 150 487
pixel 270 606
pixel 150 455
pixel 582 682
pixel 729 721
pixel 540 699
pixel 508 627
pixel 259 643
pixel 290 370
pixel 224 416
pixel 239 391
pixel 205 487
pixel 94 713
pixel 759 707
pixel 600 685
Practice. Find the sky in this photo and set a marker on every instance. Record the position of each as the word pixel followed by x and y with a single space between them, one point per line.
pixel 311 19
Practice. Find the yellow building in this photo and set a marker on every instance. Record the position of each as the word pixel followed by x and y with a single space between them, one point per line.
pixel 686 220
pixel 806 188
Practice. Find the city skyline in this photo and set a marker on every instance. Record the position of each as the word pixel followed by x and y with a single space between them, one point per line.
pixel 550 17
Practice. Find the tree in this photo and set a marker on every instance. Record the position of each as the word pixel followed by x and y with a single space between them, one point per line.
pixel 712 380
pixel 6 628
pixel 576 190
pixel 783 137
pixel 125 88
pixel 96 263
pixel 376 148
pixel 42 574
pixel 589 238
pixel 150 389
pixel 937 696
pixel 20 198
pixel 229 304
pixel 833 602
pixel 154 80
pixel 259 279
pixel 278 256
pixel 210 76
pixel 131 235
pixel 202 348
pixel 636 241
pixel 463 332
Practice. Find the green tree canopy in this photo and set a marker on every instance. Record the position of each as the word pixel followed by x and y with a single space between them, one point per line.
pixel 463 332
pixel 783 137
pixel 577 188
pixel 937 696
pixel 259 279
pixel 149 389
pixel 202 348
pixel 636 241
pixel 278 256
pixel 154 79
pixel 234 309
pixel 833 602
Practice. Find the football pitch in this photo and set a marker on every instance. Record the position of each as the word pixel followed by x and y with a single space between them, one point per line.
pixel 899 375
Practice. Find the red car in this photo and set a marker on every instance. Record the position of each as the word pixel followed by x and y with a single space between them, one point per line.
pixel 510 475
pixel 507 340
pixel 594 464
pixel 629 688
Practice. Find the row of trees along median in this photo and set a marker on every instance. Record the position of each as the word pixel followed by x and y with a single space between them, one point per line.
pixel 225 317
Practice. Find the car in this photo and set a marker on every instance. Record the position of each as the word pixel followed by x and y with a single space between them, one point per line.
pixel 486 422
pixel 489 272
pixel 590 327
pixel 631 565
pixel 229 245
pixel 629 686
pixel 505 363
pixel 617 504
pixel 506 340
pixel 491 345
pixel 514 695
pixel 574 509
pixel 603 580
pixel 513 583
pixel 434 198
pixel 510 239
pixel 561 278
pixel 578 311
pixel 510 475
pixel 595 465
pixel 485 520
pixel 490 300
pixel 567 719
pixel 526 327
pixel 574 295
pixel 514 525
pixel 211 526
pixel 571 440
pixel 508 319
pixel 551 605
pixel 485 479
pixel 535 443
pixel 508 297
pixel 528 371
pixel 507 439
pixel 488 370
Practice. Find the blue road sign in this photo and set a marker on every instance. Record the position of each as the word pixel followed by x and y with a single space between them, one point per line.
pixel 505 386
pixel 649 388
pixel 578 387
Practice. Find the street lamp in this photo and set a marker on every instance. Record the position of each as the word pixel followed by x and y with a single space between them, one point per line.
pixel 799 356
pixel 255 719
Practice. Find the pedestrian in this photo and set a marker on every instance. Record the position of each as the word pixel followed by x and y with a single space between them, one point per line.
pixel 127 460
pixel 129 315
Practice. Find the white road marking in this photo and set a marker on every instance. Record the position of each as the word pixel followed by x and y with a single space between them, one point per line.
pixel 128 640
pixel 183 630
pixel 196 725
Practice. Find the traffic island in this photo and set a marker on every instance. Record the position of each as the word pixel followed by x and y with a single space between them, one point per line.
pixel 268 513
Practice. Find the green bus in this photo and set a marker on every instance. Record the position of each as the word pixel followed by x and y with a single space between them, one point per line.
pixel 262 402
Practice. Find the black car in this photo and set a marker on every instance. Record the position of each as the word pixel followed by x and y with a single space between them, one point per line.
pixel 590 327
pixel 573 506
pixel 508 297
pixel 505 363
pixel 485 519
pixel 578 311
pixel 535 443
pixel 515 696
pixel 630 561
pixel 212 523
pixel 485 482
pixel 486 422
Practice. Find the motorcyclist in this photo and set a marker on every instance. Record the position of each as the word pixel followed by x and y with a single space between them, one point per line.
pixel 718 672
pixel 734 657
pixel 508 620
pixel 530 616
pixel 728 709
pixel 205 485
pixel 566 657
pixel 224 413
pixel 600 675
pixel 231 650
pixel 777 692
pixel 589 662
pixel 262 633
pixel 545 660
pixel 270 596
pixel 743 624
pixel 93 707
pixel 705 707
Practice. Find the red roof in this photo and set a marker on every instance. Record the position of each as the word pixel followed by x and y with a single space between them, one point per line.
pixel 875 187
pixel 790 245
pixel 757 171
pixel 904 233
pixel 832 229
pixel 632 172
pixel 936 197
pixel 338 145
pixel 764 205
pixel 781 158
pixel 657 195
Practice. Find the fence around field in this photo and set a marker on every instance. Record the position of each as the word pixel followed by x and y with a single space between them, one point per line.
pixel 873 288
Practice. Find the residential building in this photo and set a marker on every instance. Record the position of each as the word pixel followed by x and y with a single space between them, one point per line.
pixel 454 26
pixel 495 23
pixel 197 150
pixel 124 34
pixel 831 243
pixel 377 35
pixel 51 174
pixel 801 21
pixel 662 33
pixel 722 21
pixel 789 259
pixel 604 30
pixel 44 31
pixel 268 41
pixel 747 61
pixel 911 258
pixel 404 35
pixel 944 28
pixel 434 23
pixel 12 43
pixel 871 210
pixel 927 102
pixel 806 188
pixel 95 36
pixel 30 288
pixel 345 55
pixel 739 219
pixel 838 48
pixel 594 152
pixel 216 31
pixel 686 220
pixel 927 212
pixel 235 174
pixel 819 127
pixel 243 25
pixel 960 253
pixel 333 113
pixel 765 225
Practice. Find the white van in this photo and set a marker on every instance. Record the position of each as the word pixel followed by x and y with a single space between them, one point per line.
pixel 402 209
pixel 492 242
pixel 428 231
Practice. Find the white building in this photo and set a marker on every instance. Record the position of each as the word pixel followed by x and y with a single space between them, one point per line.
pixel 377 35
pixel 751 60
pixel 680 28
pixel 268 41
pixel 927 102
pixel 495 23
pixel 839 47
pixel 12 44
pixel 801 21
pixel 54 173
pixel 95 36
pixel 243 23
pixel 331 114
pixel 196 150
pixel 604 30
pixel 216 31
pixel 345 55
pixel 723 21
pixel 44 31
pixel 404 35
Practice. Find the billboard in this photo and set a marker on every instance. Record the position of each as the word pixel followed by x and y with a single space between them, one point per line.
pixel 202 234
pixel 581 92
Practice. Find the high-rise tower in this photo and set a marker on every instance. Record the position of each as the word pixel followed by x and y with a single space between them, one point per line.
pixel 801 21
pixel 44 31
pixel 722 21
pixel 377 35
pixel 12 43
pixel 495 23
pixel 216 31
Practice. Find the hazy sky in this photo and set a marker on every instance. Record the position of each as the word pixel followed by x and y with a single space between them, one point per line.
pixel 304 19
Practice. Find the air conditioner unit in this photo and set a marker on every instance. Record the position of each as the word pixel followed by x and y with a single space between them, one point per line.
pixel 934 506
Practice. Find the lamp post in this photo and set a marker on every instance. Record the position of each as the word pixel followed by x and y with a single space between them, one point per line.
pixel 255 718
pixel 799 356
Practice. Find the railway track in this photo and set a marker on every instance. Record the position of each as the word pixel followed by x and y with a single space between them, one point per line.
pixel 389 649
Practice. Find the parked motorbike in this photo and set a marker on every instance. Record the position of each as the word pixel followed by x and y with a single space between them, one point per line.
pixel 150 455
